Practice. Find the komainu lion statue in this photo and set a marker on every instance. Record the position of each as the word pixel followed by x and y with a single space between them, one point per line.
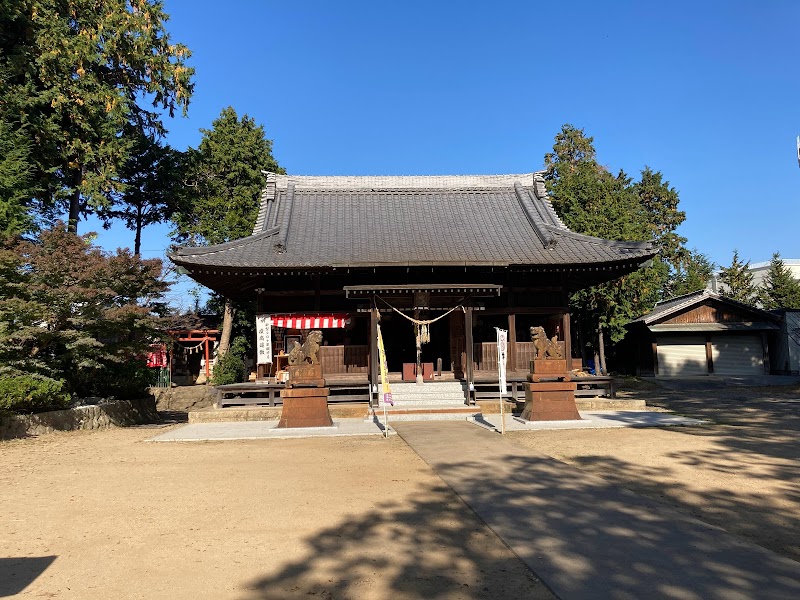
pixel 307 353
pixel 543 347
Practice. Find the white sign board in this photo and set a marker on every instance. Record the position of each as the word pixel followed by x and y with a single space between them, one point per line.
pixel 263 339
pixel 502 354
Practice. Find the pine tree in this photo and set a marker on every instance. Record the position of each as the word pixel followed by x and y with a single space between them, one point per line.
pixel 738 281
pixel 779 289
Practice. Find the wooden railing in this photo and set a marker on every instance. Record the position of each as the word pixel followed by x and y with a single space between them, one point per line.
pixel 485 355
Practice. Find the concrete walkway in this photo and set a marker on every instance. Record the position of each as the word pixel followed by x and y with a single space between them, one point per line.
pixel 600 419
pixel 588 539
pixel 259 430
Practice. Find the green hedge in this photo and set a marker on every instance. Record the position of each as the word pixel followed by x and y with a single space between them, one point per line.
pixel 29 394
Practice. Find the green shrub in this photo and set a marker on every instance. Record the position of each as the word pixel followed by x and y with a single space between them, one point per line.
pixel 228 368
pixel 128 380
pixel 30 394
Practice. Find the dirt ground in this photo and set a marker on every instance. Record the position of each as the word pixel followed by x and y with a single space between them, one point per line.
pixel 109 515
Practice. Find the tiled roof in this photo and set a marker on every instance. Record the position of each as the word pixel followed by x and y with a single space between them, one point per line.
pixel 498 220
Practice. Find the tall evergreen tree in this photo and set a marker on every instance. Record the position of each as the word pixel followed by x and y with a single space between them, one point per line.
pixel 223 185
pixel 590 200
pixel 779 289
pixel 76 74
pixel 660 203
pixel 738 281
pixel 692 273
pixel 16 184
pixel 148 184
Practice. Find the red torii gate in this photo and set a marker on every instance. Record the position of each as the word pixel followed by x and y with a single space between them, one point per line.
pixel 203 336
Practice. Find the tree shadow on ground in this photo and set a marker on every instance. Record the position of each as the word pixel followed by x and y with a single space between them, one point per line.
pixel 17 573
pixel 755 436
pixel 764 521
pixel 584 536
pixel 587 537
pixel 758 425
pixel 430 547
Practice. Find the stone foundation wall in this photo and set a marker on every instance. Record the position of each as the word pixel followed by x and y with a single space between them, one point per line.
pixel 120 413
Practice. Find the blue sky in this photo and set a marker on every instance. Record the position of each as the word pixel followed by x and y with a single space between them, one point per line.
pixel 706 92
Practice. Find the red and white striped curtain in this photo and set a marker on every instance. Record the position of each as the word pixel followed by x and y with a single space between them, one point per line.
pixel 309 321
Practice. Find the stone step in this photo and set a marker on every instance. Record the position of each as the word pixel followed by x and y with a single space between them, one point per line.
pixel 430 413
pixel 399 405
pixel 449 387
pixel 428 398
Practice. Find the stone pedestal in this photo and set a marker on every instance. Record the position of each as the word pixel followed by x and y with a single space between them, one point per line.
pixel 305 407
pixel 550 401
pixel 305 376
pixel 548 368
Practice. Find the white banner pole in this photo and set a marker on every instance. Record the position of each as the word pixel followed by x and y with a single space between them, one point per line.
pixel 502 350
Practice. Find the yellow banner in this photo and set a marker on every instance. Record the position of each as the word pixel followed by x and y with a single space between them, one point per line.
pixel 384 369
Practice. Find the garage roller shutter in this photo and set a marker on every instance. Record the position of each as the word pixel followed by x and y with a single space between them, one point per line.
pixel 681 356
pixel 737 354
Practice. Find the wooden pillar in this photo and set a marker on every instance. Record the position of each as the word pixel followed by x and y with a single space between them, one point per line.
pixel 709 356
pixel 373 352
pixel 468 341
pixel 565 327
pixel 655 357
pixel 765 348
pixel 205 344
pixel 512 342
pixel 418 340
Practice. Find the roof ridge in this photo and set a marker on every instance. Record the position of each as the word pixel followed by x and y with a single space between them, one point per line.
pixel 371 182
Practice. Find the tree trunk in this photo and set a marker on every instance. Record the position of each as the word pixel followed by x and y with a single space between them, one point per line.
pixel 75 204
pixel 602 347
pixel 582 342
pixel 137 242
pixel 227 328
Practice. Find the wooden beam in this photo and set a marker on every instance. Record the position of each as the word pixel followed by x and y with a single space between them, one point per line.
pixel 565 327
pixel 512 342
pixel 526 310
pixel 709 356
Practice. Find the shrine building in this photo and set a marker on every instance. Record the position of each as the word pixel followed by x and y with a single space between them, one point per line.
pixel 346 254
